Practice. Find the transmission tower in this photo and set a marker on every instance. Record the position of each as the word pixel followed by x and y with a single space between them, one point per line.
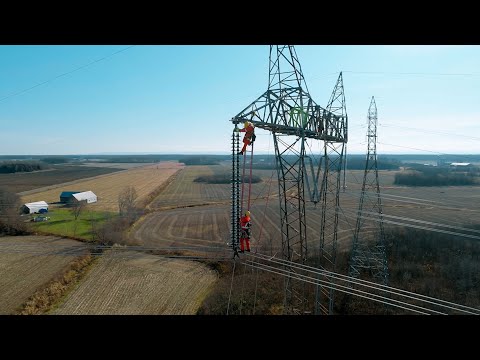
pixel 333 156
pixel 368 249
pixel 287 110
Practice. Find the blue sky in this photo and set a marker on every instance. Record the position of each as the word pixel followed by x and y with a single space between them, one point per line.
pixel 179 99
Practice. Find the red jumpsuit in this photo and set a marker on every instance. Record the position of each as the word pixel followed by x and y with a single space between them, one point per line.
pixel 249 133
pixel 245 235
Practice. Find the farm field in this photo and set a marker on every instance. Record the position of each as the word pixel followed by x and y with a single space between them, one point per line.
pixel 107 188
pixel 449 205
pixel 194 218
pixel 29 262
pixel 207 228
pixel 121 166
pixel 185 192
pixel 21 182
pixel 136 283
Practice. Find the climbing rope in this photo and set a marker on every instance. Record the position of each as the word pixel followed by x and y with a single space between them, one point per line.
pixel 243 285
pixel 231 286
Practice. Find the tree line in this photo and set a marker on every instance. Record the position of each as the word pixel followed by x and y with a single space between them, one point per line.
pixel 434 177
pixel 21 166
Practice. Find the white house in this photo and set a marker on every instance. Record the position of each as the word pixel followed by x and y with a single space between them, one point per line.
pixel 87 196
pixel 35 207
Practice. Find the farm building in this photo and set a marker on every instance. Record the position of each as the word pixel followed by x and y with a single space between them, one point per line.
pixel 87 196
pixel 67 196
pixel 35 207
pixel 460 164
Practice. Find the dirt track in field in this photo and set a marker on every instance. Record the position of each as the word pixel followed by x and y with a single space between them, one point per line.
pixel 107 187
pixel 136 283
pixel 29 262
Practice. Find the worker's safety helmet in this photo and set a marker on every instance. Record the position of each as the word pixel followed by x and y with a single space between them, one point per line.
pixel 247 213
pixel 245 124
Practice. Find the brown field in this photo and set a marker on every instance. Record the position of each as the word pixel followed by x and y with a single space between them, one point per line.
pixel 22 182
pixel 29 262
pixel 121 166
pixel 107 188
pixel 136 283
pixel 448 205
pixel 195 217
pixel 179 219
pixel 184 192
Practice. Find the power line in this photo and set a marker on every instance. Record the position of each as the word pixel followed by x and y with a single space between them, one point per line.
pixel 66 73
pixel 369 284
pixel 100 251
pixel 430 131
pixel 410 73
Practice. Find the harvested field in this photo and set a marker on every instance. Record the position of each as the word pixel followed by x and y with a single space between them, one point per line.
pixel 120 166
pixel 107 188
pixel 207 227
pixel 22 182
pixel 448 205
pixel 184 192
pixel 29 262
pixel 135 283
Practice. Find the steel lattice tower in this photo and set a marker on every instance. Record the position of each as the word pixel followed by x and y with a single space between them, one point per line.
pixel 287 110
pixel 368 248
pixel 333 156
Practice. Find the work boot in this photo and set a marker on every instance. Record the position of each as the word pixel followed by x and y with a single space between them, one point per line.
pixel 240 153
pixel 248 250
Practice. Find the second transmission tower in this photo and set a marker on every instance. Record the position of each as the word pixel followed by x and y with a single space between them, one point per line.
pixel 368 249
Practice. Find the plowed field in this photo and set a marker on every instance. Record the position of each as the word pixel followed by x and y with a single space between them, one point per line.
pixel 29 262
pixel 138 283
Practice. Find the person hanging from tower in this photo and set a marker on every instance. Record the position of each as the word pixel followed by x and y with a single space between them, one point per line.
pixel 249 138
pixel 245 224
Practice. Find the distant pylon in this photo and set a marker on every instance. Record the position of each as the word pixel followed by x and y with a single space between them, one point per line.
pixel 368 248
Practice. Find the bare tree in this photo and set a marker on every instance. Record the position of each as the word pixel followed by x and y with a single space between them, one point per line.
pixel 126 201
pixel 11 222
pixel 77 207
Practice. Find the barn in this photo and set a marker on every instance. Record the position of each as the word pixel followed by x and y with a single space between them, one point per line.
pixel 87 196
pixel 35 207
pixel 67 196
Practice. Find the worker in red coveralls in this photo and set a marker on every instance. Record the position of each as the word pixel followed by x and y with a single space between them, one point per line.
pixel 245 225
pixel 249 138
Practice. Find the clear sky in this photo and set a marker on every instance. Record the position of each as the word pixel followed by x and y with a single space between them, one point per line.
pixel 179 99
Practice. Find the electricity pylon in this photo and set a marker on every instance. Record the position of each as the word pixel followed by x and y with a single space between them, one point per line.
pixel 333 157
pixel 287 110
pixel 368 258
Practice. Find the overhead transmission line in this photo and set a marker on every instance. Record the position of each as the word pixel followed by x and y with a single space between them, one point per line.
pixel 284 272
pixel 409 73
pixel 65 74
pixel 365 283
pixel 430 131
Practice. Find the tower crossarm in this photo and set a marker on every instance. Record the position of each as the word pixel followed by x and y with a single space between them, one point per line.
pixel 293 112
